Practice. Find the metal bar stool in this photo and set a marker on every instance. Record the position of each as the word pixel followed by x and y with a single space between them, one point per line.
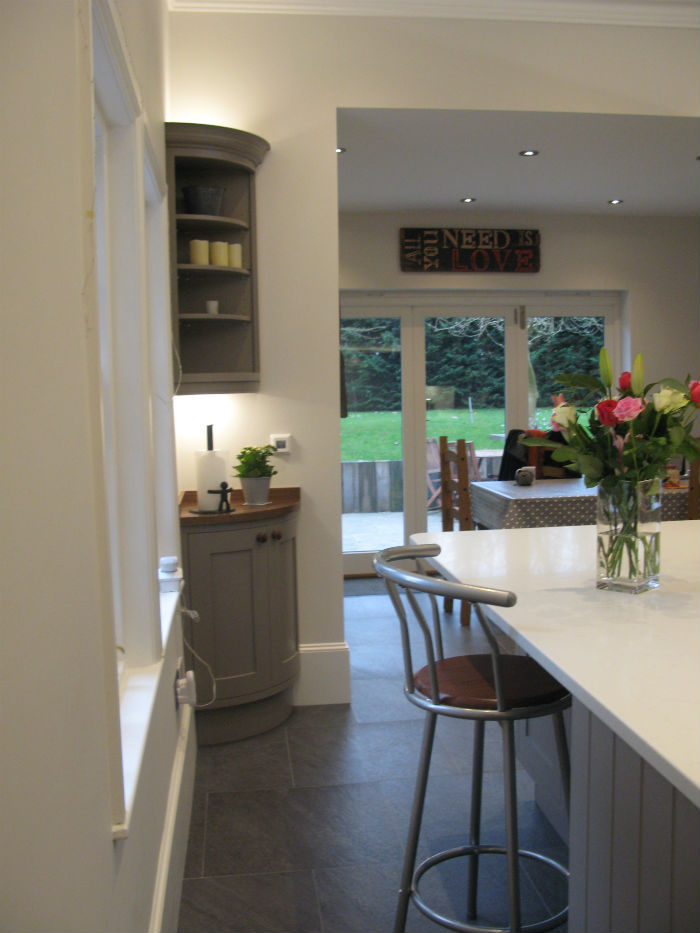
pixel 484 688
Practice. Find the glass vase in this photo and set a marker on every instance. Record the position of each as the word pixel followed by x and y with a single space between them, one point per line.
pixel 629 533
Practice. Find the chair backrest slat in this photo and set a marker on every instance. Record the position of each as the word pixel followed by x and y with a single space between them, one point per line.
pixel 458 466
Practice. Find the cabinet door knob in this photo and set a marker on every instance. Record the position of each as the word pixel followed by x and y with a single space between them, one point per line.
pixel 276 535
pixel 261 537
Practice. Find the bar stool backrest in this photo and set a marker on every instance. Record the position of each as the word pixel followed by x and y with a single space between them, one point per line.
pixel 413 583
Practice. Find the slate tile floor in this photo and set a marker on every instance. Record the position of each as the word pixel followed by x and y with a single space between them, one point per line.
pixel 302 829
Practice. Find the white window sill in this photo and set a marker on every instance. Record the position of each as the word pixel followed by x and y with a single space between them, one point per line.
pixel 138 689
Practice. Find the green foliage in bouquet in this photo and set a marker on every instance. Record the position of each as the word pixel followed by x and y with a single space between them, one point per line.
pixel 629 432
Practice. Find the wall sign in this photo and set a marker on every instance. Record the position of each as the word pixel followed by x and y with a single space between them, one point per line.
pixel 459 249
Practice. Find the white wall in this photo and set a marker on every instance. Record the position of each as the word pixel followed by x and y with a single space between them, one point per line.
pixel 60 868
pixel 283 77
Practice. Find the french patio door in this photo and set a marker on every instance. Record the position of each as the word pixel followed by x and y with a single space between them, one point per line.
pixel 419 366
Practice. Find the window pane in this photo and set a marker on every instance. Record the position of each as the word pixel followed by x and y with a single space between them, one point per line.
pixel 559 345
pixel 465 389
pixel 371 445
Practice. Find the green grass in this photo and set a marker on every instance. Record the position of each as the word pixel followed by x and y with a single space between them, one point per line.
pixel 376 435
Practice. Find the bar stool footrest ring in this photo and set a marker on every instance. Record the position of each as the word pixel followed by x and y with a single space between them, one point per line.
pixel 538 927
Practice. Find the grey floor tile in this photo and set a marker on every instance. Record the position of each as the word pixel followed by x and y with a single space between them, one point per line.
pixel 283 902
pixel 251 764
pixel 297 828
pixel 364 586
pixel 373 751
pixel 303 828
pixel 381 699
pixel 313 718
pixel 362 899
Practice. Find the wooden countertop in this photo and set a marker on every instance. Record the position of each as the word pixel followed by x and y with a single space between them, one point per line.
pixel 283 501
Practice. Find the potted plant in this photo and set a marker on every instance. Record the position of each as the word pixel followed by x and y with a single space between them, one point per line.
pixel 254 471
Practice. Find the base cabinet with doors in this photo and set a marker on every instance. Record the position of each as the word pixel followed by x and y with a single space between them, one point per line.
pixel 240 577
pixel 211 191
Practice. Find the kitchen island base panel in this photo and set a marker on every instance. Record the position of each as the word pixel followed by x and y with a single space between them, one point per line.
pixel 634 839
pixel 232 723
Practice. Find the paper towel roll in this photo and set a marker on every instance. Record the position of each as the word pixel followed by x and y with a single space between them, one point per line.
pixel 211 473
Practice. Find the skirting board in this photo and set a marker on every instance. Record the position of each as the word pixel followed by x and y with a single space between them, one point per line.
pixel 324 675
pixel 165 906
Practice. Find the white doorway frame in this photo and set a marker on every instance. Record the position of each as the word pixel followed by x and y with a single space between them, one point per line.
pixel 412 307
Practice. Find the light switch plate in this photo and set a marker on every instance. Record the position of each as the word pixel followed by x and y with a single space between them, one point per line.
pixel 281 442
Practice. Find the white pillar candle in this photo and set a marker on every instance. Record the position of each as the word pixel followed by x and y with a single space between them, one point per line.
pixel 218 253
pixel 212 306
pixel 235 255
pixel 211 473
pixel 199 252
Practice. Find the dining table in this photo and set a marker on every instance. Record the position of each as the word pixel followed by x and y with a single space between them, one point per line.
pixel 630 662
pixel 568 501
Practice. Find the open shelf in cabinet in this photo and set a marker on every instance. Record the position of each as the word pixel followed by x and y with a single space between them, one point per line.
pixel 215 352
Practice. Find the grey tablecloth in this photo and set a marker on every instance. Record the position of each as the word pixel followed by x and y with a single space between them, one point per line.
pixel 503 504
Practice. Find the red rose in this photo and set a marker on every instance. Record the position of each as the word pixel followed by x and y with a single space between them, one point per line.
pixel 605 411
pixel 625 381
pixel 695 393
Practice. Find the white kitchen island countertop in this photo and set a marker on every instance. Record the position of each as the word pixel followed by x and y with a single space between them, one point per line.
pixel 632 660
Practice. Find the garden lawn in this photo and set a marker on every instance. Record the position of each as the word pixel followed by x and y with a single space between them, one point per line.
pixel 376 435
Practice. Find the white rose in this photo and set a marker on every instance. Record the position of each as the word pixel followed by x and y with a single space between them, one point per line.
pixel 564 416
pixel 668 400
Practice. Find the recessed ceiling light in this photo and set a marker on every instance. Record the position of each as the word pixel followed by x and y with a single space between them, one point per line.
pixel 467 200
pixel 615 201
pixel 339 149
pixel 527 153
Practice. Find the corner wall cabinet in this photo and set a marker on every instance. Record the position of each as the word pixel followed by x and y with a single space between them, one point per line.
pixel 217 351
pixel 240 576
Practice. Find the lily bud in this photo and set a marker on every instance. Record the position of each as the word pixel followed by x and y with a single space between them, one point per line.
pixel 638 375
pixel 605 368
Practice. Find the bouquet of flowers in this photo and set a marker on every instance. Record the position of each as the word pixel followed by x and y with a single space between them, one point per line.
pixel 621 440
pixel 628 433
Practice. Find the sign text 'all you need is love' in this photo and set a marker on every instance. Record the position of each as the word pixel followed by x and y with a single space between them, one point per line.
pixel 457 249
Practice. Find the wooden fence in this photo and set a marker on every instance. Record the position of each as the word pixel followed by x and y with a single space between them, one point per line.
pixel 377 485
pixel 373 486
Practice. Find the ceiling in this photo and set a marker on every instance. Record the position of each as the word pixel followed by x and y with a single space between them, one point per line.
pixel 430 159
pixel 673 13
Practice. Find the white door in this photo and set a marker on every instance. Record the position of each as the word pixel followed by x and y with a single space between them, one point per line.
pixel 459 364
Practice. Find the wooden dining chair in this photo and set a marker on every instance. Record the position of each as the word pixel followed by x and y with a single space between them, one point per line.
pixel 539 457
pixel 458 467
pixel 694 490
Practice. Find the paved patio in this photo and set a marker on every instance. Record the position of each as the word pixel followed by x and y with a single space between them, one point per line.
pixel 372 531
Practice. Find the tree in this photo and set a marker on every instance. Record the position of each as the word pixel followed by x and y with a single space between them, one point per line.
pixel 466 354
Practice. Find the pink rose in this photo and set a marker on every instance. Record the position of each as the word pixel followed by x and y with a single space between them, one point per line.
pixel 605 411
pixel 695 393
pixel 628 408
pixel 625 381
